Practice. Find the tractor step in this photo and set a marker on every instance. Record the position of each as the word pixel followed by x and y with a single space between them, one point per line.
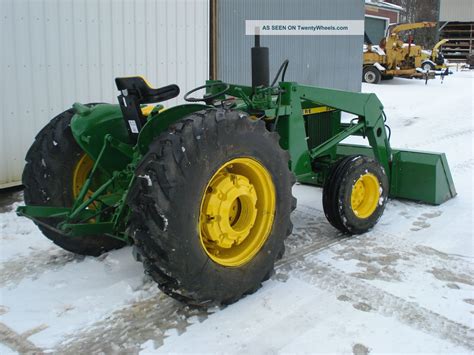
pixel 48 217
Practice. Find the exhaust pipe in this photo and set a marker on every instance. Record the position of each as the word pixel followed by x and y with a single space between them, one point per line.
pixel 260 64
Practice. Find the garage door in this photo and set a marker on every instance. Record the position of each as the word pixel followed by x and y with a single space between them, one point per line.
pixel 375 28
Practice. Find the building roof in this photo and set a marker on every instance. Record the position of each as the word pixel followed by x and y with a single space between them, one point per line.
pixel 384 4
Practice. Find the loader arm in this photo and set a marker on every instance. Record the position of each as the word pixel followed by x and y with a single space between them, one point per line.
pixel 420 176
pixel 370 122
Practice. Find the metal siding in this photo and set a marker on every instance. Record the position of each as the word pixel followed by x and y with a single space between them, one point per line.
pixel 56 52
pixel 328 61
pixel 456 10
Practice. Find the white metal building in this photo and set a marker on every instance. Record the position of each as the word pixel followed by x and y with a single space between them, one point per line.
pixel 56 52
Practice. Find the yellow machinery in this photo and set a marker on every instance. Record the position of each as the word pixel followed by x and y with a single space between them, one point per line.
pixel 435 60
pixel 393 57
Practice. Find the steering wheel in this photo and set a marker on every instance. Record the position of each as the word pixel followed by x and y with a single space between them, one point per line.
pixel 208 99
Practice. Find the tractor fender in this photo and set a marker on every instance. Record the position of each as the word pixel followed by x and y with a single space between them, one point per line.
pixel 90 125
pixel 379 66
pixel 158 123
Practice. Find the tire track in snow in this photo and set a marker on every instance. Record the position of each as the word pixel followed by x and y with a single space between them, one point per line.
pixel 311 231
pixel 151 318
pixel 386 249
pixel 34 264
pixel 371 298
pixel 449 136
pixel 464 166
pixel 156 317
pixel 126 329
pixel 19 342
pixel 159 316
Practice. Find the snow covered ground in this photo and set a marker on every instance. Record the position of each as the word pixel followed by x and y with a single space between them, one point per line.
pixel 406 286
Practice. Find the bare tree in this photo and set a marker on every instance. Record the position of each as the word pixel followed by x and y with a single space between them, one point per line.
pixel 417 11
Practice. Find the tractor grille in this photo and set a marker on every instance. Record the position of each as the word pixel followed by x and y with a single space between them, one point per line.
pixel 321 126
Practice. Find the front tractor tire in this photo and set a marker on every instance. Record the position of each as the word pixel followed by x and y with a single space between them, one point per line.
pixel 355 194
pixel 211 207
pixel 56 167
pixel 371 75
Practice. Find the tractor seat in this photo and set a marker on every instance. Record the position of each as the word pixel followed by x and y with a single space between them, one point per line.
pixel 137 87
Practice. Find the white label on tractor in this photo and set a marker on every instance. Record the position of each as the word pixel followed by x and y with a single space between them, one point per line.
pixel 133 126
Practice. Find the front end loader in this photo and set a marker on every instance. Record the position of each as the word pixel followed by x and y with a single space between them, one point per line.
pixel 203 190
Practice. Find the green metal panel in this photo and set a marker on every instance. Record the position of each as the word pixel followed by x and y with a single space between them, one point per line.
pixel 293 130
pixel 81 229
pixel 350 149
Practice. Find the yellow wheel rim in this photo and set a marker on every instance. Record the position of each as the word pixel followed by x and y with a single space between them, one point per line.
pixel 80 174
pixel 365 195
pixel 237 212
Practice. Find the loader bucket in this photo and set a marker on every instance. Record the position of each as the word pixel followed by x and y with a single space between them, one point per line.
pixel 421 176
pixel 415 175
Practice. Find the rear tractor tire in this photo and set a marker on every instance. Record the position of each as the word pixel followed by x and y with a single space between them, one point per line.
pixel 371 75
pixel 56 167
pixel 211 207
pixel 355 194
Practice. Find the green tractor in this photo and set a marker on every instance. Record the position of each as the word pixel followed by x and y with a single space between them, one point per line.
pixel 203 190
